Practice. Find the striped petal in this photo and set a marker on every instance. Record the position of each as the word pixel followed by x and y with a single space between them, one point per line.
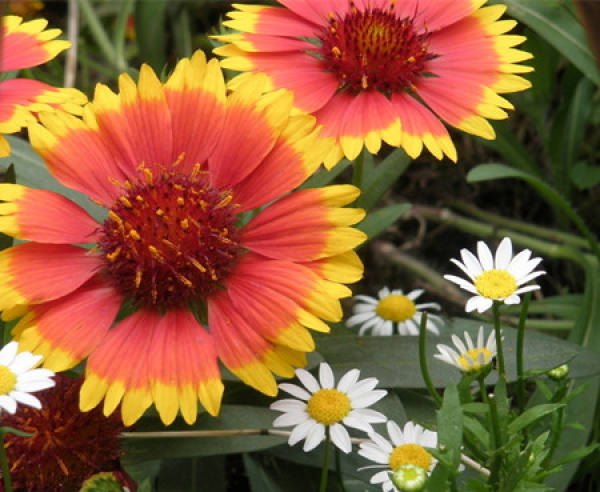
pixel 67 330
pixel 43 216
pixel 33 273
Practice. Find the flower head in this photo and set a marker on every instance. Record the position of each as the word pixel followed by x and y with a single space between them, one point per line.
pixel 495 278
pixel 18 379
pixel 176 165
pixel 472 357
pixel 409 478
pixel 392 311
pixel 407 447
pixel 25 45
pixel 328 408
pixel 65 446
pixel 383 70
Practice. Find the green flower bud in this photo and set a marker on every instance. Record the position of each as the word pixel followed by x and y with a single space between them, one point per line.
pixel 409 478
pixel 559 372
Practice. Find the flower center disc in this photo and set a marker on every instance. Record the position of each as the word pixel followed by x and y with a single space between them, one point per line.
pixel 396 308
pixel 328 406
pixel 474 354
pixel 496 284
pixel 410 454
pixel 8 380
pixel 374 49
pixel 170 239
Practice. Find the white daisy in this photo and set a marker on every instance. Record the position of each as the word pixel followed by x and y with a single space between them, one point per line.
pixel 325 406
pixel 471 357
pixel 497 278
pixel 393 310
pixel 18 379
pixel 407 447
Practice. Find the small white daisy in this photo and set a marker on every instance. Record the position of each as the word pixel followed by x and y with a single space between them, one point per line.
pixel 472 357
pixel 393 310
pixel 407 447
pixel 18 379
pixel 497 278
pixel 325 406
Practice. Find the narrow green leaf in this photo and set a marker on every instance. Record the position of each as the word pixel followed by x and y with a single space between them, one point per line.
pixel 378 221
pixel 16 432
pixel 450 425
pixel 324 177
pixel 150 25
pixel 382 178
pixel 532 415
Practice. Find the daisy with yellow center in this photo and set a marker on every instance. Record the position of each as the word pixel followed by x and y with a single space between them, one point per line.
pixel 406 447
pixel 391 312
pixel 323 407
pixel 470 357
pixel 391 71
pixel 498 278
pixel 25 45
pixel 176 165
pixel 18 379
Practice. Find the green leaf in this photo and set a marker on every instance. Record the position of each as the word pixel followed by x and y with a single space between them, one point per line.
pixel 231 417
pixel 584 175
pixel 553 21
pixel 190 474
pixel 382 178
pixel 324 177
pixel 511 148
pixel 16 432
pixel 450 425
pixel 377 222
pixel 150 22
pixel 532 415
pixel 31 171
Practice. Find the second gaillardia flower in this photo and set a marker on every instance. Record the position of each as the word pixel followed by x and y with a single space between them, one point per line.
pixel 176 165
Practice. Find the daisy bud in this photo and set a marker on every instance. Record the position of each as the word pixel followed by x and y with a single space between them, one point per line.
pixel 409 478
pixel 559 372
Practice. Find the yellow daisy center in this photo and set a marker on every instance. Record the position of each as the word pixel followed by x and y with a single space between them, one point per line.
pixel 328 406
pixel 396 308
pixel 410 454
pixel 496 284
pixel 474 354
pixel 8 380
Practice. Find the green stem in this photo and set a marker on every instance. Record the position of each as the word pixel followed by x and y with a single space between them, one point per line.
pixel 357 174
pixel 520 340
pixel 325 470
pixel 4 464
pixel 496 462
pixel 120 31
pixel 338 470
pixel 500 354
pixel 423 361
pixel 99 34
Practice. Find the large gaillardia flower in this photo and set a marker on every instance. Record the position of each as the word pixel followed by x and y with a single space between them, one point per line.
pixel 25 45
pixel 204 247
pixel 373 70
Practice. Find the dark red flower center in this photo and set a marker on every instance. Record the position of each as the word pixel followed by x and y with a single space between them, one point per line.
pixel 374 49
pixel 170 239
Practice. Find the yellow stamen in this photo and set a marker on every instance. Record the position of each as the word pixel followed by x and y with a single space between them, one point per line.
pixel 125 201
pixel 134 234
pixel 410 454
pixel 496 284
pixel 328 406
pixel 475 365
pixel 185 224
pixel 396 308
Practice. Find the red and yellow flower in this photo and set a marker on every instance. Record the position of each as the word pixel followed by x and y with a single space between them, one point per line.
pixel 203 241
pixel 25 45
pixel 383 70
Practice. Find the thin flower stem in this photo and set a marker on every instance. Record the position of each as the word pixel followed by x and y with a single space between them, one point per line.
pixel 4 464
pixel 325 470
pixel 423 361
pixel 500 355
pixel 338 470
pixel 520 340
pixel 496 462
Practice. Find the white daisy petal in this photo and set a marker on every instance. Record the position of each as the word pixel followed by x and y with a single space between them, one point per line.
pixel 483 304
pixel 531 276
pixel 368 399
pixel 367 299
pixel 36 374
pixel 308 380
pixel 395 433
pixel 468 358
pixel 360 318
pixel 326 376
pixel 379 477
pixel 31 386
pixel 370 415
pixel 485 256
pixel 384 292
pixel 340 437
pixel 24 362
pixel 295 390
pixel 371 451
pixel 314 437
pixel 527 288
pixel 291 418
pixel 463 267
pixel 471 262
pixel 301 431
pixel 348 380
pixel 8 353
pixel 503 254
pixel 381 441
pixel 414 294
pixel 519 262
pixel 288 405
pixel 462 283
pixel 361 387
pixel 354 421
pixel 26 399
pixel 8 403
